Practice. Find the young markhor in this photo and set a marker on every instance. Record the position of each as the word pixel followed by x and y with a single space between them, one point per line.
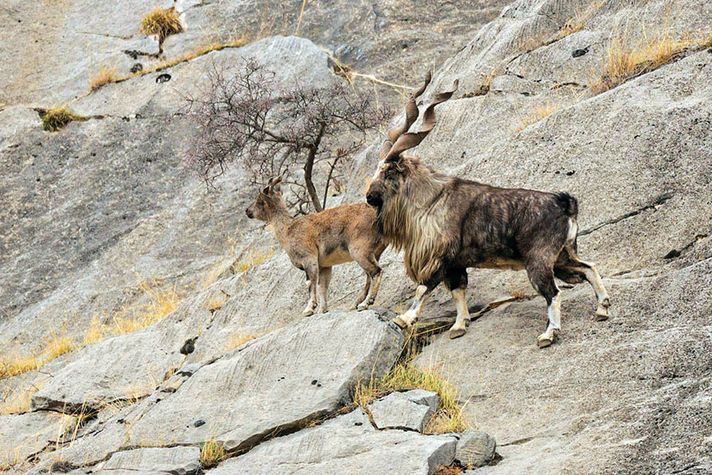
pixel 316 242
pixel 446 225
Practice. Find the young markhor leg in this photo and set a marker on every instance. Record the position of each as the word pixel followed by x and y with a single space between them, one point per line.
pixel 324 279
pixel 364 293
pixel 369 264
pixel 456 281
pixel 313 277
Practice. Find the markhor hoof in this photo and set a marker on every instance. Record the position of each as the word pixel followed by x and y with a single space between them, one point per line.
pixel 400 322
pixel 543 341
pixel 361 307
pixel 457 333
pixel 308 313
pixel 600 316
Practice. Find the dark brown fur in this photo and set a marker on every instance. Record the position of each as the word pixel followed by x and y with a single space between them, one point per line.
pixel 446 225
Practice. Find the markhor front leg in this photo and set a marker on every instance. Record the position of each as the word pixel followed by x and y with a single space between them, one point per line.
pixel 463 314
pixel 408 318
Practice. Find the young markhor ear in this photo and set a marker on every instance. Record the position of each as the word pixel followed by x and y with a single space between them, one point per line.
pixel 275 185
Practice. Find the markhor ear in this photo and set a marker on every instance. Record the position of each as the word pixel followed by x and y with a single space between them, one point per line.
pixel 266 190
pixel 275 184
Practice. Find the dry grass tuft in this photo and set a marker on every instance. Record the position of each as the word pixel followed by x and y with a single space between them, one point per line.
pixel 190 55
pixel 540 112
pixel 18 402
pixel 58 117
pixel 105 76
pixel 161 23
pixel 212 453
pixel 162 303
pixel 95 332
pixel 237 340
pixel 626 60
pixel 57 346
pixel 448 418
pixel 579 20
pixel 14 365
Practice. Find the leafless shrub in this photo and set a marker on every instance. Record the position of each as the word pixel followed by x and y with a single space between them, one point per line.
pixel 306 135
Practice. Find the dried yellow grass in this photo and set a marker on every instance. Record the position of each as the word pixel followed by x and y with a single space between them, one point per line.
pixel 449 416
pixel 13 365
pixel 95 332
pixel 161 23
pixel 162 303
pixel 212 453
pixel 237 340
pixel 253 259
pixel 105 75
pixel 18 402
pixel 109 75
pixel 57 346
pixel 540 112
pixel 56 118
pixel 580 18
pixel 626 59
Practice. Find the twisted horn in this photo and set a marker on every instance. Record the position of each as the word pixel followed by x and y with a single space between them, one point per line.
pixel 411 139
pixel 411 115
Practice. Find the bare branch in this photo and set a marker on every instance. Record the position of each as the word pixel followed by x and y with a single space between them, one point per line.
pixel 303 134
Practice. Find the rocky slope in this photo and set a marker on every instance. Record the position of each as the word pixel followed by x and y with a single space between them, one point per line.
pixel 94 211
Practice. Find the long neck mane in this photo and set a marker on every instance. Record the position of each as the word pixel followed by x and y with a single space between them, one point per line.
pixel 413 221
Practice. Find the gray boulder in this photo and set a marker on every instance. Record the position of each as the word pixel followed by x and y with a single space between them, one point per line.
pixel 475 448
pixel 346 444
pixel 275 383
pixel 408 410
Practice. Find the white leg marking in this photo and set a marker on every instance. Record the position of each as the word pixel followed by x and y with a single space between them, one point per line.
pixel 573 231
pixel 411 316
pixel 554 326
pixel 554 313
pixel 463 314
pixel 601 294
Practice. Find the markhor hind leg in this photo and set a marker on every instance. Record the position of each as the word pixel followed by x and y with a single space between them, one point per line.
pixel 570 264
pixel 542 278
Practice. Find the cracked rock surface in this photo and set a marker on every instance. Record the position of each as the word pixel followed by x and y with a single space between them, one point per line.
pixel 91 212
pixel 169 460
pixel 346 444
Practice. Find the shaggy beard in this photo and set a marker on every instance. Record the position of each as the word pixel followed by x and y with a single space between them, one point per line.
pixel 412 220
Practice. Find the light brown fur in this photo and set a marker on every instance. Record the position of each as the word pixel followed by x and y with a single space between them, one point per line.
pixel 319 241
